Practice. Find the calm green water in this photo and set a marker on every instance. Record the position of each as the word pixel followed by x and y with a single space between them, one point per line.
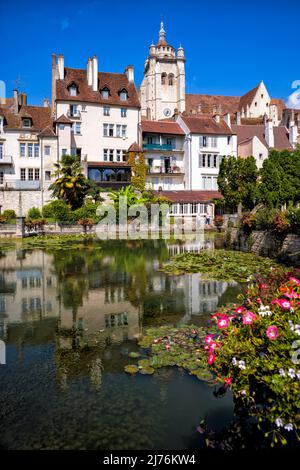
pixel 69 319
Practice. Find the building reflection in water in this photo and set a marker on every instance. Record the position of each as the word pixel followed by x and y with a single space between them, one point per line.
pixel 88 303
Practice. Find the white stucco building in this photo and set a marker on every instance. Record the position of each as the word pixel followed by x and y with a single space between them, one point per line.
pixel 208 140
pixel 28 151
pixel 97 116
pixel 162 91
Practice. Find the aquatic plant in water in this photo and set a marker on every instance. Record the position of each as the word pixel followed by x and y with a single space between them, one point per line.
pixel 180 346
pixel 220 265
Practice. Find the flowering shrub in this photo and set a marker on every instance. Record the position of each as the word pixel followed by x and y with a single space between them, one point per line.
pixel 251 348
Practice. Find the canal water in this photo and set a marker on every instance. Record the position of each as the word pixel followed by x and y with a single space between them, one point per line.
pixel 69 318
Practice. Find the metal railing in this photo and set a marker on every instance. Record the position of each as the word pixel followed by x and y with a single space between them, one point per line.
pixel 159 147
pixel 73 114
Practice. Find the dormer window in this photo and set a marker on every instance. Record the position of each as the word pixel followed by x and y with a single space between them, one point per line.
pixel 26 122
pixel 105 93
pixel 73 90
pixel 123 95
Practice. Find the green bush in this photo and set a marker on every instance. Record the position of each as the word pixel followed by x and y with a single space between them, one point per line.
pixel 294 219
pixel 87 211
pixel 9 214
pixel 34 213
pixel 57 210
pixel 263 219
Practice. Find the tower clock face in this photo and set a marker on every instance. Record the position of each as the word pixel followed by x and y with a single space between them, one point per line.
pixel 167 112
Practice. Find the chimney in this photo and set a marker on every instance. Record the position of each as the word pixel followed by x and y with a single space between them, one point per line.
pixel 53 84
pixel 15 101
pixel 227 120
pixel 23 99
pixel 130 73
pixel 269 133
pixel 238 118
pixel 61 66
pixel 46 103
pixel 217 118
pixel 95 73
pixel 89 72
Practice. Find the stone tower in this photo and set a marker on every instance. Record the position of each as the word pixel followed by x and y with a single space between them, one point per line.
pixel 162 91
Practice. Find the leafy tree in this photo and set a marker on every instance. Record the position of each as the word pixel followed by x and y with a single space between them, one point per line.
pixel 237 181
pixel 70 185
pixel 139 169
pixel 34 213
pixel 57 210
pixel 280 179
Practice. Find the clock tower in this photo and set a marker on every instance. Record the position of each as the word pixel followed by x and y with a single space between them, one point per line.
pixel 162 91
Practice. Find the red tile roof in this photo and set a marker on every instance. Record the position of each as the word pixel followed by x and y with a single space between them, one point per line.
pixel 63 120
pixel 115 82
pixel 47 132
pixel 246 133
pixel 162 127
pixel 190 196
pixel 210 104
pixel 135 148
pixel 41 117
pixel 248 98
pixel 206 125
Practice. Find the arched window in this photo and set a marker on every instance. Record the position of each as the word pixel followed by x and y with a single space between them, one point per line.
pixel 171 79
pixel 163 78
pixel 123 94
pixel 105 93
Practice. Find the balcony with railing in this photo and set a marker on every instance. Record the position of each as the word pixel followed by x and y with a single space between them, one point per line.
pixel 74 114
pixel 160 147
pixel 165 170
pixel 10 184
pixel 6 160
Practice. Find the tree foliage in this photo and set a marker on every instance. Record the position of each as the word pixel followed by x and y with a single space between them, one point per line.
pixel 237 181
pixel 139 169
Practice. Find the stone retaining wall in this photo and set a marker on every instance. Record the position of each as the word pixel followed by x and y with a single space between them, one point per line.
pixel 284 248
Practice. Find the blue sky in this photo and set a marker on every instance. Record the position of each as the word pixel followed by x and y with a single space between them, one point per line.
pixel 229 45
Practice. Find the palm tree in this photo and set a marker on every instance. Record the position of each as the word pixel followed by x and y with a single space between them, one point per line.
pixel 70 184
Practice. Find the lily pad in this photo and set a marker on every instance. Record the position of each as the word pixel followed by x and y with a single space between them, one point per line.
pixel 131 369
pixel 134 355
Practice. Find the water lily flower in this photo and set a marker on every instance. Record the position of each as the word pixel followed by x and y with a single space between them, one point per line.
pixel 240 309
pixel 242 364
pixel 279 422
pixel 223 322
pixel 281 372
pixel 272 332
pixel 211 358
pixel 291 373
pixel 249 318
pixel 208 339
pixel 289 427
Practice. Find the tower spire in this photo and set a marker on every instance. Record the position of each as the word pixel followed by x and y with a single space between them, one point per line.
pixel 162 32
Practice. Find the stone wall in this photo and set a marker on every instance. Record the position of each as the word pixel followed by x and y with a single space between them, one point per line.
pixel 22 200
pixel 284 248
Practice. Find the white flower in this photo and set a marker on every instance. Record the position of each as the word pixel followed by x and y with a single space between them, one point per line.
pixel 281 372
pixel 291 373
pixel 289 427
pixel 297 329
pixel 298 374
pixel 279 422
pixel 234 361
pixel 242 365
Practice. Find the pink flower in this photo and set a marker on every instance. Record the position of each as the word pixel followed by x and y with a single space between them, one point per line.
pixel 211 358
pixel 228 381
pixel 168 346
pixel 294 280
pixel 258 300
pixel 249 318
pixel 240 309
pixel 213 346
pixel 291 294
pixel 285 304
pixel 209 339
pixel 223 322
pixel 272 332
